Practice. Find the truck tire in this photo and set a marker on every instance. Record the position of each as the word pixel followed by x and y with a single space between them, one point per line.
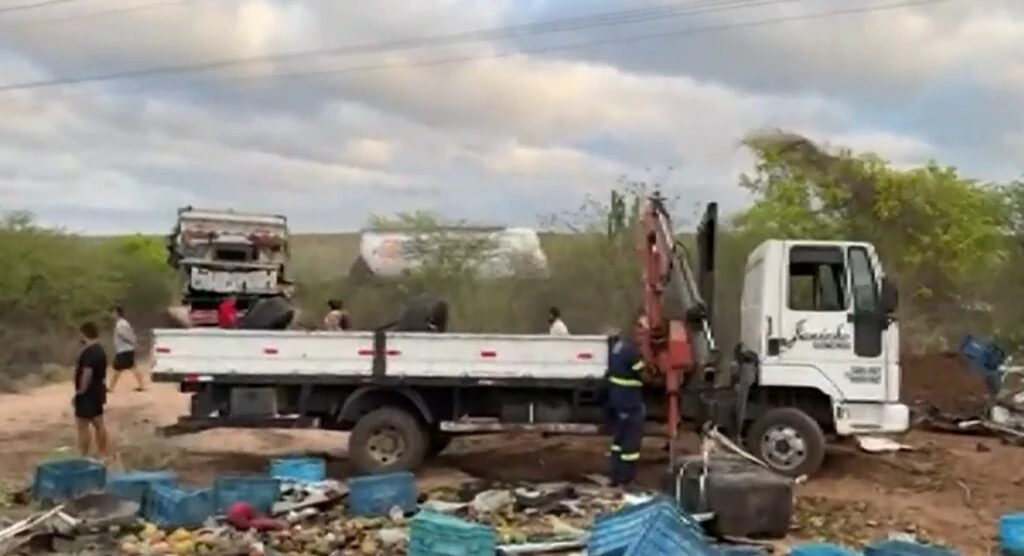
pixel 388 439
pixel 788 440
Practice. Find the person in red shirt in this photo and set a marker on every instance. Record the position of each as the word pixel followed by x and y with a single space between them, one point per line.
pixel 227 313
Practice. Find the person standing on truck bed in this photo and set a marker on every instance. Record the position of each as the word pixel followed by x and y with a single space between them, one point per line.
pixel 558 327
pixel 125 344
pixel 626 406
pixel 336 318
pixel 90 392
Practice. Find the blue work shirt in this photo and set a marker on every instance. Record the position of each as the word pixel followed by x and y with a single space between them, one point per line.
pixel 625 389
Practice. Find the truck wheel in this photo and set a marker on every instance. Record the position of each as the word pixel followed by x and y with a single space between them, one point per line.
pixel 788 440
pixel 387 439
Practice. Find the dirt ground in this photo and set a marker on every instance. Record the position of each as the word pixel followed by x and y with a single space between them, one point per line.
pixel 949 488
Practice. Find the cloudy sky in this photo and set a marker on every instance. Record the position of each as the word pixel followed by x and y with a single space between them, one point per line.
pixel 494 111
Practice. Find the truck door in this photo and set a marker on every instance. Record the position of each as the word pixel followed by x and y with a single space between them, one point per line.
pixel 830 318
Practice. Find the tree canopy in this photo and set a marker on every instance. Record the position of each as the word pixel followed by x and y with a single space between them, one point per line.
pixel 940 233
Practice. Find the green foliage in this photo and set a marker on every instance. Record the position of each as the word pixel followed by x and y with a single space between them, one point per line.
pixel 936 231
pixel 52 281
pixel 955 246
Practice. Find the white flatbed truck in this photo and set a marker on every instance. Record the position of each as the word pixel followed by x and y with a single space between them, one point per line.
pixel 818 358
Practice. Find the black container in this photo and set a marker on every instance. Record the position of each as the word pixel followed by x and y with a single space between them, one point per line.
pixel 747 500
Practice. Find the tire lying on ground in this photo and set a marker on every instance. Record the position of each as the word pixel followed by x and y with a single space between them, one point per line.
pixel 424 313
pixel 272 313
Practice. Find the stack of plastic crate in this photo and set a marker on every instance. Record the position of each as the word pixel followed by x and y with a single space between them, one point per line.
pixel 1011 534
pixel 260 492
pixel 375 495
pixel 66 479
pixel 299 470
pixel 437 534
pixel 170 507
pixel 656 527
pixel 136 485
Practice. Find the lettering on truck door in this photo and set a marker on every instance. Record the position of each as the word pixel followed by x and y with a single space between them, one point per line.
pixel 829 286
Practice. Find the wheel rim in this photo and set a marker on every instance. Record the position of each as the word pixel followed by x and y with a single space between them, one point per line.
pixel 386 446
pixel 783 448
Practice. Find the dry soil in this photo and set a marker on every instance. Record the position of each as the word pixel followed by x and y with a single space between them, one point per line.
pixel 949 488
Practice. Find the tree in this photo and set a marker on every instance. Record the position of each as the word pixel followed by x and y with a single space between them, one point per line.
pixel 935 230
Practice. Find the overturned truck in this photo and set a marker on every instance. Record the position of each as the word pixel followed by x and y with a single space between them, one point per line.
pixel 224 253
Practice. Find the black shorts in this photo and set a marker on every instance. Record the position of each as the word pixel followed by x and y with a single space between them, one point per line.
pixel 90 405
pixel 124 360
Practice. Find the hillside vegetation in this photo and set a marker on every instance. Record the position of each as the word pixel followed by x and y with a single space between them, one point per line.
pixel 950 242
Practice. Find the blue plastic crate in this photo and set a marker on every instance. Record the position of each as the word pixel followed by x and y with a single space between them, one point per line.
pixel 67 479
pixel 907 548
pixel 258 491
pixel 170 507
pixel 664 534
pixel 983 355
pixel 985 358
pixel 374 495
pixel 303 470
pixel 615 532
pixel 437 534
pixel 135 485
pixel 821 549
pixel 1011 535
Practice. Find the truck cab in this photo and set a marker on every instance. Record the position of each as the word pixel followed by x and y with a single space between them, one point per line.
pixel 817 318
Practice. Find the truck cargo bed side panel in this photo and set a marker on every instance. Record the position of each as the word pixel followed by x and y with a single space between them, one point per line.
pixel 350 354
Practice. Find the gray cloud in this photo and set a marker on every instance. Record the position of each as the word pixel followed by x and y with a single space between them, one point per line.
pixel 499 137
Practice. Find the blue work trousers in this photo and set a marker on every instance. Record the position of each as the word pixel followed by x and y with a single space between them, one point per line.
pixel 627 429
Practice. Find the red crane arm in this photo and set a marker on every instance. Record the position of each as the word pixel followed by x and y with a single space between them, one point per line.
pixel 669 346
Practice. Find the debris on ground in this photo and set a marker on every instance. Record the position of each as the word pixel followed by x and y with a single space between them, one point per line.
pixel 313 517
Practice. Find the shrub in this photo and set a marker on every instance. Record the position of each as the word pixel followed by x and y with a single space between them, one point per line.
pixel 51 281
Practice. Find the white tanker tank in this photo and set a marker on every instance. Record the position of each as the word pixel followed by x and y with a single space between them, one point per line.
pixel 507 252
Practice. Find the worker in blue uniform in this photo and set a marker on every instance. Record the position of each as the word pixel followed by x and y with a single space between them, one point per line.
pixel 625 407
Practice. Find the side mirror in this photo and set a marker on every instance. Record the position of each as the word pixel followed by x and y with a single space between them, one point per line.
pixel 888 296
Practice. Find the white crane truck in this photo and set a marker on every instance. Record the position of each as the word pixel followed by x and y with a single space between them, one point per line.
pixel 818 358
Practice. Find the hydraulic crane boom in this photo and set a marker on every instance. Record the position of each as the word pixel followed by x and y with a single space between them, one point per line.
pixel 677 348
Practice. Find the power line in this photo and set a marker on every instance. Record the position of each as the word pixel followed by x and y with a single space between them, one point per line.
pixel 44 4
pixel 690 31
pixel 622 17
pixel 97 14
pixel 407 44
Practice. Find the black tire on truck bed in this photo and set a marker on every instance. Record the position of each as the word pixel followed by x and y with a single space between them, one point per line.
pixel 271 313
pixel 426 312
pixel 386 440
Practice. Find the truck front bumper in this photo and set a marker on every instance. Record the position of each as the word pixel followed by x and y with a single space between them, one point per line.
pixel 857 418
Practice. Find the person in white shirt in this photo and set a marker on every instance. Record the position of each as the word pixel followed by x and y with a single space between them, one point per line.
pixel 125 343
pixel 558 327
